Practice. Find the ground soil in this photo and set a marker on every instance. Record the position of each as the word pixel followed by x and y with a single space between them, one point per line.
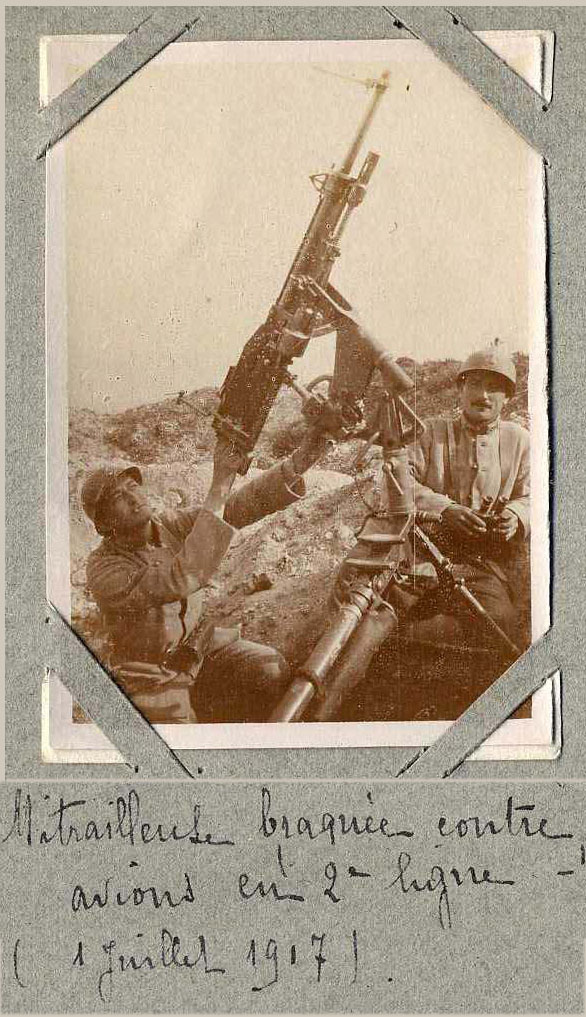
pixel 277 577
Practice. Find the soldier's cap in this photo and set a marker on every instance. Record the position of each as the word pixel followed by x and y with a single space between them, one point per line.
pixel 494 360
pixel 98 486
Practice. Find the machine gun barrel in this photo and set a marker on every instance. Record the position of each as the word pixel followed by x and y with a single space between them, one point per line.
pixel 339 194
pixel 251 386
pixel 380 88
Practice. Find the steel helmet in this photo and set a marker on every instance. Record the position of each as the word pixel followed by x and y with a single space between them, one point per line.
pixel 98 485
pixel 493 359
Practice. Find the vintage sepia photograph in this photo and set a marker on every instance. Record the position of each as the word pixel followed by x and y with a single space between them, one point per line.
pixel 297 395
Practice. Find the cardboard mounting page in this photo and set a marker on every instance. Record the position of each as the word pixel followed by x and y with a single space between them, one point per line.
pixel 173 214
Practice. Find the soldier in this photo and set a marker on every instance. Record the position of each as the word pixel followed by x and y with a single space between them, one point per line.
pixel 147 576
pixel 461 466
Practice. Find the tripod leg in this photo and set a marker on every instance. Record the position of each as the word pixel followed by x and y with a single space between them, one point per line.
pixel 464 594
pixel 457 588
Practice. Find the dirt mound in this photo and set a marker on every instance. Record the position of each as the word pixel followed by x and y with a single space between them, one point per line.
pixel 284 546
pixel 174 429
pixel 277 575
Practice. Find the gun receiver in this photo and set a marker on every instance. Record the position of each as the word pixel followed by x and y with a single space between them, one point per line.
pixel 251 386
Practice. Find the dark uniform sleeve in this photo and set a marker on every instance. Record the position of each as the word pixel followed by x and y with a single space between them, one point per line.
pixel 120 578
pixel 420 454
pixel 272 490
pixel 180 522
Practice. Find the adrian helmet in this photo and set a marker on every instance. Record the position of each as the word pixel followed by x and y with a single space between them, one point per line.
pixel 492 359
pixel 96 488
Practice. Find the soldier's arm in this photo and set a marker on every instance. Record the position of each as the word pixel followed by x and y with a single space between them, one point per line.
pixel 210 536
pixel 276 488
pixel 519 502
pixel 123 581
pixel 426 499
pixel 179 521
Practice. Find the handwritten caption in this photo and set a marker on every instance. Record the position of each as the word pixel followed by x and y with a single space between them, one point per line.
pixel 296 890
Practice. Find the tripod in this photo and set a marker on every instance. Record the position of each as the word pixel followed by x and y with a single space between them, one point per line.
pixel 364 616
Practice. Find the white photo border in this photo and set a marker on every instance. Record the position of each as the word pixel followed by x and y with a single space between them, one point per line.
pixel 64 740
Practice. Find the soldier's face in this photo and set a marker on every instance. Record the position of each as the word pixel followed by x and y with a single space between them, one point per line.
pixel 129 510
pixel 484 396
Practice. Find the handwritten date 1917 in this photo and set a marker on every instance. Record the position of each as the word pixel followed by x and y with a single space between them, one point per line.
pixel 268 959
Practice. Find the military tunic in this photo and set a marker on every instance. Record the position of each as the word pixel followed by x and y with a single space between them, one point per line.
pixel 455 463
pixel 150 597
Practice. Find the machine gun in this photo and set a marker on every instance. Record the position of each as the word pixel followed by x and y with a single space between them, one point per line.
pixel 251 386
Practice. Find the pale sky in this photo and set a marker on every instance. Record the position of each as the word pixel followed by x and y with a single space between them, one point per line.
pixel 180 202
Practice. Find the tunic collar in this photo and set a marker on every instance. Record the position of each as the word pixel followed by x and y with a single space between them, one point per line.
pixel 475 429
pixel 153 538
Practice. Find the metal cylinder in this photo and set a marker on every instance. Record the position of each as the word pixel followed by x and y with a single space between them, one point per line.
pixel 334 639
pixel 294 703
pixel 378 625
pixel 394 376
pixel 325 653
pixel 400 495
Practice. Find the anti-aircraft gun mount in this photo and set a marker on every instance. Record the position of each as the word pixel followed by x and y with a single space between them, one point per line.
pixel 364 615
pixel 308 307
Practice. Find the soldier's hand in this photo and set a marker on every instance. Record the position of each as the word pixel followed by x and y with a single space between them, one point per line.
pixel 506 525
pixel 315 444
pixel 463 521
pixel 227 461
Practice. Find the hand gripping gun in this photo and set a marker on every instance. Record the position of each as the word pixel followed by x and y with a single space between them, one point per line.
pixel 251 386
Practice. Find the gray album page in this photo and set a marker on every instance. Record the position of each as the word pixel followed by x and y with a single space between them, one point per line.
pixel 294 310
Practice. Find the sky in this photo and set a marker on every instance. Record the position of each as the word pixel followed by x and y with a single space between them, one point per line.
pixel 178 205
